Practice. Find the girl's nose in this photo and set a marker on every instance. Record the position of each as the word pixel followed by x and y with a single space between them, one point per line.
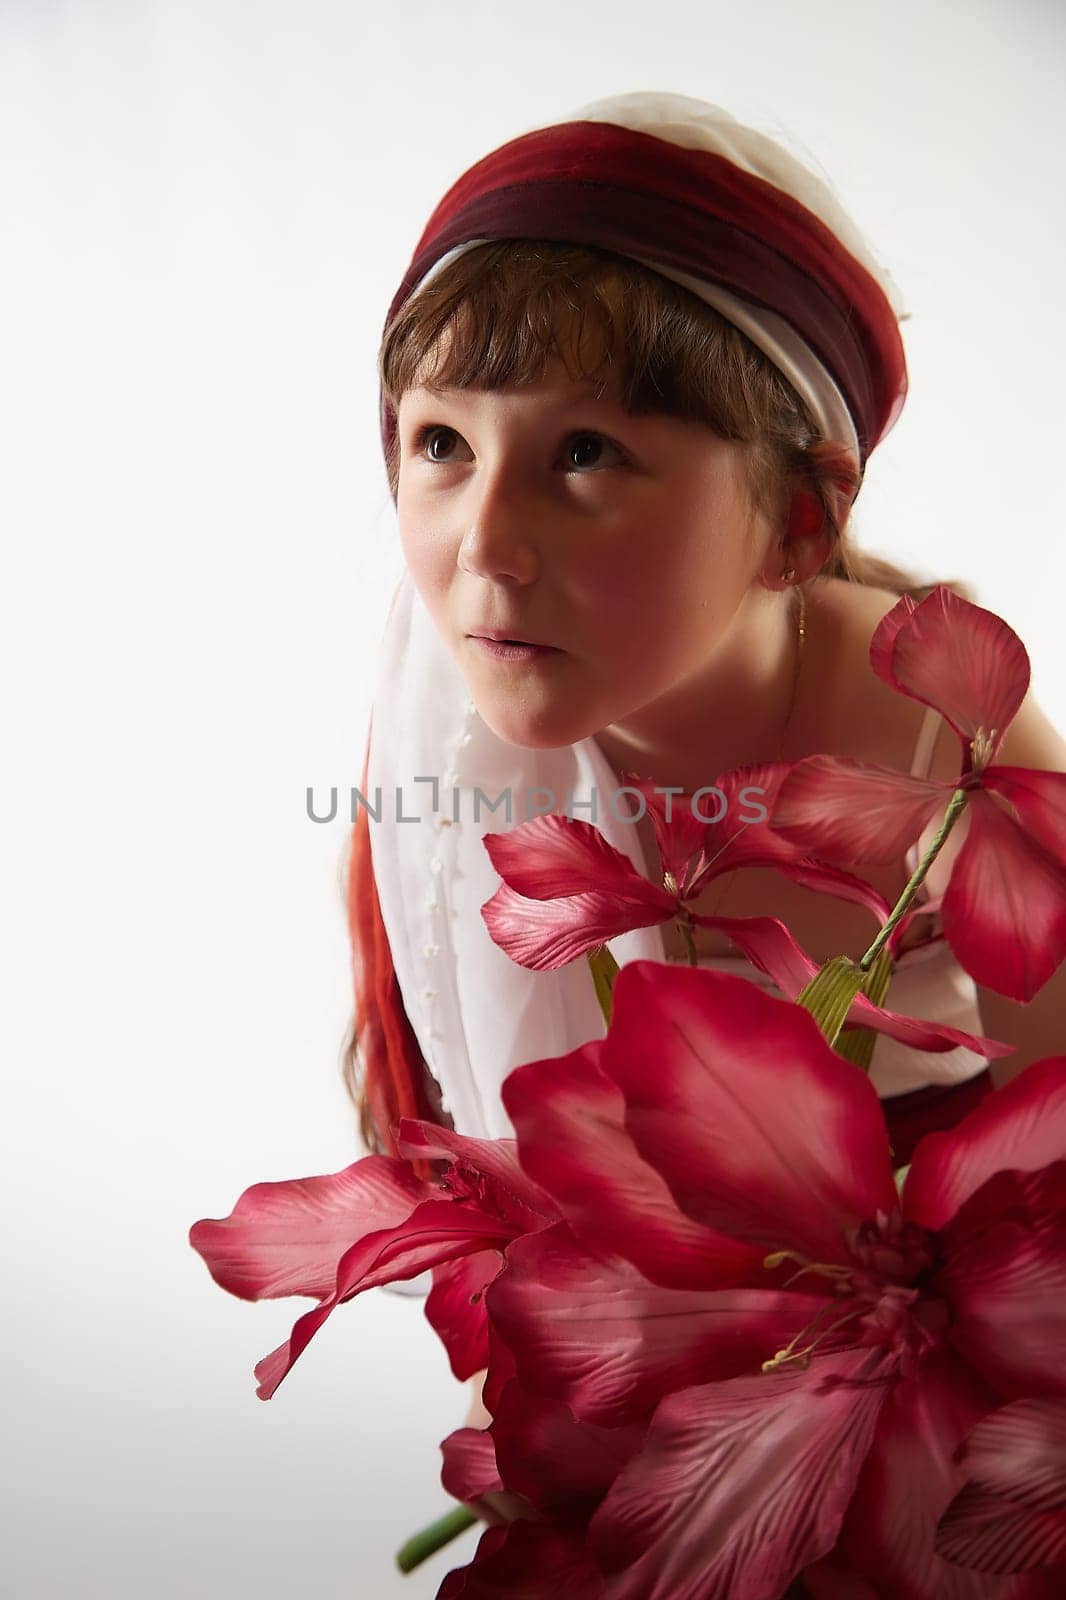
pixel 499 541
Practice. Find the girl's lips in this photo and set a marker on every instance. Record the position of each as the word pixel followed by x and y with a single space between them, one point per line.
pixel 502 651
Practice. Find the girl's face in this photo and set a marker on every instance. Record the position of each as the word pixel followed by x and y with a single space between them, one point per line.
pixel 629 544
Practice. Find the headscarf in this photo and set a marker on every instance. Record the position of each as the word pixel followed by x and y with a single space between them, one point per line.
pixel 683 188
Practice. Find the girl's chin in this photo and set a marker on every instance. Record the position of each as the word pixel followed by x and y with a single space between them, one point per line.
pixel 553 729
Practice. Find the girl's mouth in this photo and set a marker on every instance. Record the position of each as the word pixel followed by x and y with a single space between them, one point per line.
pixel 514 649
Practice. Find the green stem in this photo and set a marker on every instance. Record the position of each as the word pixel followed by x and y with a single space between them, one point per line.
pixel 604 969
pixel 829 994
pixel 420 1546
pixel 857 1044
pixel 951 816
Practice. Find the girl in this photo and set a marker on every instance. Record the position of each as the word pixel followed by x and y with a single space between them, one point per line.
pixel 630 384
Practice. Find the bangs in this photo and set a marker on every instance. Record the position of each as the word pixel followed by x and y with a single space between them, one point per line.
pixel 497 317
pixel 499 313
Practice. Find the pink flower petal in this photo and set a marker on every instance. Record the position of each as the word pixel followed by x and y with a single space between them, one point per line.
pixel 908 1479
pixel 1036 1200
pixel 741 837
pixel 597 1334
pixel 551 1458
pixel 883 641
pixel 770 947
pixel 526 1561
pixel 1004 910
pixel 469 1469
pixel 554 857
pixel 544 934
pixel 1039 798
pixel 823 879
pixel 1011 1516
pixel 984 1532
pixel 1021 1127
pixel 461 1583
pixel 760 1130
pixel 921 1034
pixel 502 1371
pixel 436 1231
pixel 756 844
pixel 455 1309
pixel 851 811
pixel 286 1238
pixel 679 833
pixel 739 1485
pixel 570 1121
pixel 832 1579
pixel 957 656
pixel 1006 1284
pixel 1020 1451
pixel 488 1170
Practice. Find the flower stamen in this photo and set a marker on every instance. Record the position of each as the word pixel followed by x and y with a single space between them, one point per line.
pixel 801 1358
pixel 981 746
pixel 824 1269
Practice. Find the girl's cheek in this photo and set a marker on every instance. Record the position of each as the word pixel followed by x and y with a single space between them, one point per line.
pixel 428 559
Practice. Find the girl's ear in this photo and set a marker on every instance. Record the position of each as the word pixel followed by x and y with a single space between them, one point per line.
pixel 805 544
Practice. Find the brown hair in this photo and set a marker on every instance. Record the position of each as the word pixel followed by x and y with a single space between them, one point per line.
pixel 494 317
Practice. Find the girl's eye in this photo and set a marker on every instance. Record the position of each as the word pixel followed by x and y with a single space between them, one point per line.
pixel 581 450
pixel 586 450
pixel 436 442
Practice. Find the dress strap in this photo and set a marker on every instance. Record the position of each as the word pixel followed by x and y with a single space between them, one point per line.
pixel 922 761
pixel 923 749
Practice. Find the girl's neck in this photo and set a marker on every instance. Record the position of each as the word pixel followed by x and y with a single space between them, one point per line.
pixel 736 710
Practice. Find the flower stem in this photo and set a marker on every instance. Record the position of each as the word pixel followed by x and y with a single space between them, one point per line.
pixel 604 969
pixel 690 943
pixel 951 816
pixel 420 1546
pixel 857 1045
pixel 829 994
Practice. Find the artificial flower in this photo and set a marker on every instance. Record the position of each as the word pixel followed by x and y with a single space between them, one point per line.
pixel 332 1237
pixel 1011 1514
pixel 775 1234
pixel 1004 909
pixel 566 891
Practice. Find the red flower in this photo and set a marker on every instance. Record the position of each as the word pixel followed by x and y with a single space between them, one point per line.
pixel 558 1470
pixel 566 891
pixel 1004 910
pixel 727 1200
pixel 1012 1513
pixel 331 1237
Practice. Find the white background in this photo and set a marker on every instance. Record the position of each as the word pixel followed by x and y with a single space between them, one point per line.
pixel 206 207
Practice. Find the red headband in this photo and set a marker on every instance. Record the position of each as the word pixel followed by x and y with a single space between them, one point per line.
pixel 693 212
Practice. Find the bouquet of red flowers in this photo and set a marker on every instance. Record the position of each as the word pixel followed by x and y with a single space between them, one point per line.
pixel 730 1349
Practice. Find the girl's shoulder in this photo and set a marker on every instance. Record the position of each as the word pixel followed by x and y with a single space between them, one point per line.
pixel 850 710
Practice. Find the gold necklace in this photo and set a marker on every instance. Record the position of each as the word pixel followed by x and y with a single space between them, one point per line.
pixel 801 638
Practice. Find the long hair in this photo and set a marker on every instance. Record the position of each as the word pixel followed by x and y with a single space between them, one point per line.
pixel 384 1070
pixel 493 317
